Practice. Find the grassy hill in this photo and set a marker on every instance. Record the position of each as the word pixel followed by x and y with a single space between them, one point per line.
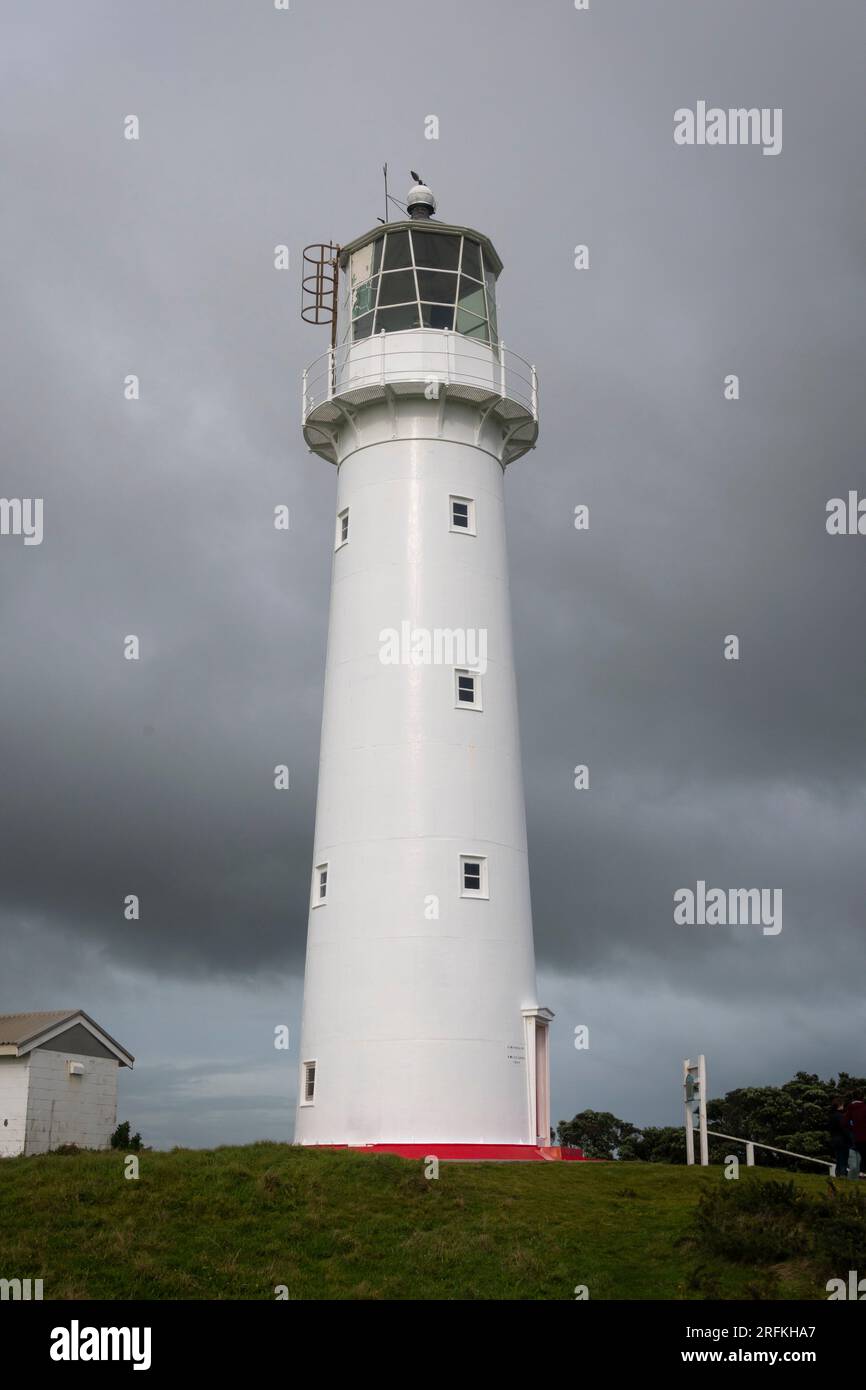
pixel 233 1223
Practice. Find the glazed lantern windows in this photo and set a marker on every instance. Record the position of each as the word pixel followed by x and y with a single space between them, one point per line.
pixel 412 278
pixel 437 251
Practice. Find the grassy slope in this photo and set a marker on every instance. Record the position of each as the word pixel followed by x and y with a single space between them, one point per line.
pixel 234 1222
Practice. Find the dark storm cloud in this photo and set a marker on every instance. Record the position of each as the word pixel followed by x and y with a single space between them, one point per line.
pixel 707 517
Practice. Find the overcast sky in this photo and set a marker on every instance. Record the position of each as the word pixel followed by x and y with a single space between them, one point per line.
pixel 707 516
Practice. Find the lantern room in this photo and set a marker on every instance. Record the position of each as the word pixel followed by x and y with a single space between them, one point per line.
pixel 418 274
pixel 412 309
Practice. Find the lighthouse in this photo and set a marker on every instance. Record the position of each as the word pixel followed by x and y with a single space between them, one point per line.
pixel 421 1021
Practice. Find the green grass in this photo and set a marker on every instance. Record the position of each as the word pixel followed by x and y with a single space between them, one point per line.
pixel 232 1223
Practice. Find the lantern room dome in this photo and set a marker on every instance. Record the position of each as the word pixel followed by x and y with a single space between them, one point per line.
pixel 420 202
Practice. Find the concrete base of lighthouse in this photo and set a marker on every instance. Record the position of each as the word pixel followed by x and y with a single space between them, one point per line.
pixel 535 1063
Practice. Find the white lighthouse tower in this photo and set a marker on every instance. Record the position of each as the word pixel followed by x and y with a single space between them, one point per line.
pixel 421 1023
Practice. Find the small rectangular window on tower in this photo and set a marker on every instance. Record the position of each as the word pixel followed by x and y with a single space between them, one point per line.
pixel 342 535
pixel 473 876
pixel 308 1083
pixel 320 885
pixel 467 689
pixel 462 510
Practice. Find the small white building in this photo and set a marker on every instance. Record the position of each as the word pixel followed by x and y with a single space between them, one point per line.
pixel 58 1082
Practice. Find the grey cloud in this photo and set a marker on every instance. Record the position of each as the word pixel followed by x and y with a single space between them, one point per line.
pixel 706 517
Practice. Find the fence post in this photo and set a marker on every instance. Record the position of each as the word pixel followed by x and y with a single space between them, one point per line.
pixel 750 1155
pixel 502 370
pixel 702 1109
pixel 688 1119
pixel 304 395
pixel 534 392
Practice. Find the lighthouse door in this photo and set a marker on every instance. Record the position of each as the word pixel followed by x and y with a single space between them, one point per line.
pixel 542 1083
pixel 536 1023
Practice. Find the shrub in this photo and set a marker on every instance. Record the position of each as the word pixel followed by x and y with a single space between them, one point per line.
pixel 753 1222
pixel 762 1222
pixel 839 1229
pixel 122 1139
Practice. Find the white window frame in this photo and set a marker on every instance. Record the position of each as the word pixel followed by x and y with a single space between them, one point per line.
pixel 484 890
pixel 339 542
pixel 320 900
pixel 467 704
pixel 302 1098
pixel 468 530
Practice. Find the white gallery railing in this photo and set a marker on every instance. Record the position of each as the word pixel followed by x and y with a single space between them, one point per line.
pixel 441 356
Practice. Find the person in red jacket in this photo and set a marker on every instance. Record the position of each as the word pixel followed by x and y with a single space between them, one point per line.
pixel 855 1114
pixel 840 1136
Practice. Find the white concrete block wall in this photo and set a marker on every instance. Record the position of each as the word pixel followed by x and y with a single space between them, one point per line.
pixel 14 1076
pixel 64 1109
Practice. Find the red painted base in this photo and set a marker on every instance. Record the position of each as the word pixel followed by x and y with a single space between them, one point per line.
pixel 472 1153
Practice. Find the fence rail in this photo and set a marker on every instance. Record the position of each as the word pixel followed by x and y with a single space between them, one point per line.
pixel 752 1144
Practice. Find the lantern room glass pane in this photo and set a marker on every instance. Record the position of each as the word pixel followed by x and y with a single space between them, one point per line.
pixel 437 315
pixel 397 252
pixel 364 299
pixel 362 265
pixel 397 287
pixel 396 320
pixel 471 326
pixel 437 285
pixel 471 264
pixel 436 250
pixel 490 285
pixel 363 327
pixel 344 315
pixel 472 296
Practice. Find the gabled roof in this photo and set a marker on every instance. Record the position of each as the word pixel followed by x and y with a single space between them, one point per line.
pixel 20 1033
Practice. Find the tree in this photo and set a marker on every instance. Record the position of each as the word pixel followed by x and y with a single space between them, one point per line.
pixel 655 1145
pixel 122 1139
pixel 597 1132
pixel 793 1116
